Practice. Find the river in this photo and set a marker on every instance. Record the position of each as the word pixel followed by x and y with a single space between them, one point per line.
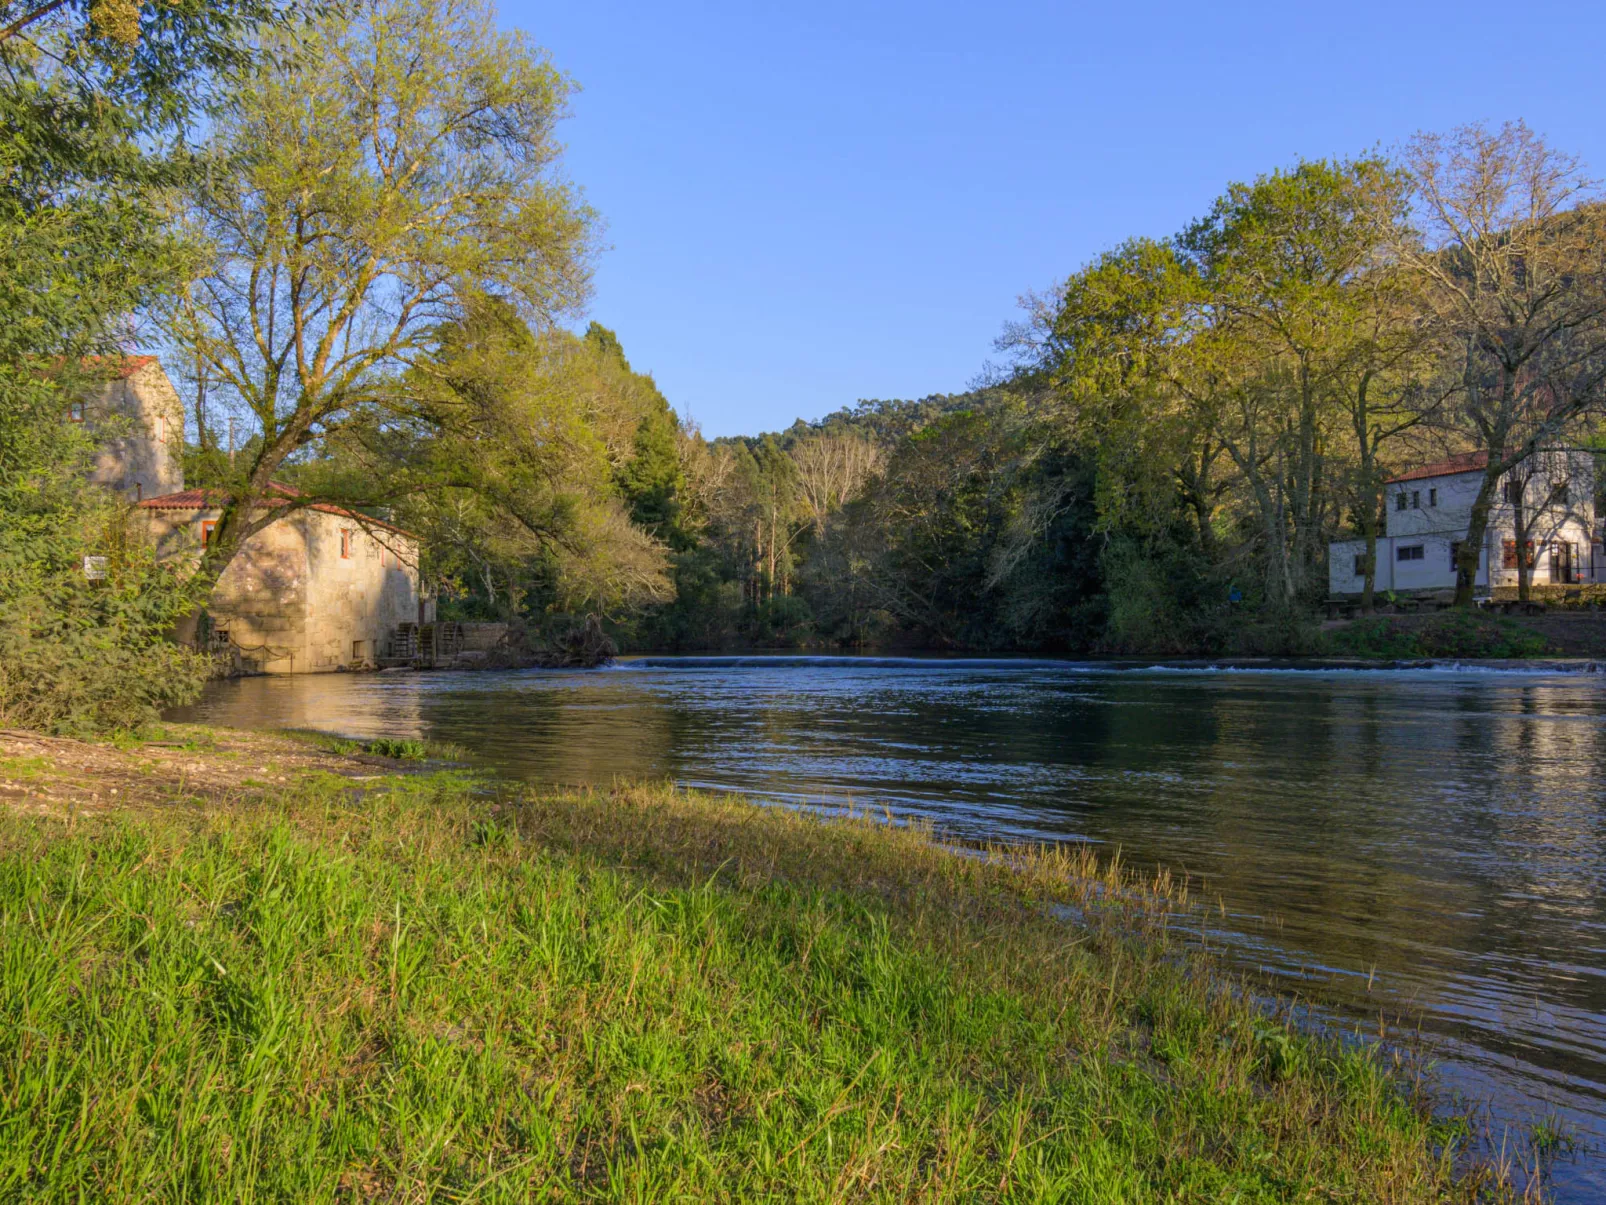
pixel 1429 842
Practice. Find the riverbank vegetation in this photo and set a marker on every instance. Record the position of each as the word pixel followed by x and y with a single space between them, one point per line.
pixel 1184 423
pixel 238 966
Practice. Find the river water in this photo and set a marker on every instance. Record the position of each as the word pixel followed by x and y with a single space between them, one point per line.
pixel 1431 842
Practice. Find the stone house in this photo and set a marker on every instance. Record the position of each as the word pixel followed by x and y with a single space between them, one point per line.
pixel 139 420
pixel 1430 508
pixel 320 589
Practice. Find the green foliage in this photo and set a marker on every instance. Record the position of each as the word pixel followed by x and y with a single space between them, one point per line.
pixel 1445 634
pixel 398 161
pixel 85 656
pixel 404 750
pixel 651 480
pixel 523 438
pixel 95 99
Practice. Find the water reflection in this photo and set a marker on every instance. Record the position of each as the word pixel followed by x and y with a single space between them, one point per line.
pixel 1430 840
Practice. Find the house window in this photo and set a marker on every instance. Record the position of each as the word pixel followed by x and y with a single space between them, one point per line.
pixel 161 429
pixel 1409 552
pixel 345 543
pixel 76 412
pixel 1508 554
pixel 1360 564
pixel 207 527
pixel 1455 553
pixel 1416 499
pixel 1509 492
pixel 1400 501
pixel 1433 496
pixel 1560 493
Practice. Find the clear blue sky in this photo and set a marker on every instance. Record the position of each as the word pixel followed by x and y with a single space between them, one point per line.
pixel 811 204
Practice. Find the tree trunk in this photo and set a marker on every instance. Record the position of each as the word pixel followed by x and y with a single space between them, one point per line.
pixel 1466 563
pixel 1369 584
pixel 1520 523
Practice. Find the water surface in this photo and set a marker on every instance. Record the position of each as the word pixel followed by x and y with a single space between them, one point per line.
pixel 1425 841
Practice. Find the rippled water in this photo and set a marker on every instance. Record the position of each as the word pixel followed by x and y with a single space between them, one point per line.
pixel 1427 841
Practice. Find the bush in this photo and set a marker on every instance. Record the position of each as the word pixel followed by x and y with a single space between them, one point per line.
pixel 83 656
pixel 1446 634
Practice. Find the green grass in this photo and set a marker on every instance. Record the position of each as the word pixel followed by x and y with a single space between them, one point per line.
pixel 404 990
pixel 1445 634
pixel 396 748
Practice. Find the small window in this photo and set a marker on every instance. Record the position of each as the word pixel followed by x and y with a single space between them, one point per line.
pixel 207 527
pixel 1508 554
pixel 1360 564
pixel 139 491
pixel 1416 499
pixel 76 412
pixel 161 429
pixel 1433 496
pixel 1409 552
pixel 1509 491
pixel 1455 554
pixel 345 543
pixel 1560 492
pixel 1400 501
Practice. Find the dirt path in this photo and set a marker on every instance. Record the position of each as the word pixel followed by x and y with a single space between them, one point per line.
pixel 58 775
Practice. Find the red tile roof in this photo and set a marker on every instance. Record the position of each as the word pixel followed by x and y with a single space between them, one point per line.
pixel 1466 462
pixel 205 499
pixel 132 364
pixel 186 500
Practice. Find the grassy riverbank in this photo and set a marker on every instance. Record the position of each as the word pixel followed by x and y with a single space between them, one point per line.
pixel 241 967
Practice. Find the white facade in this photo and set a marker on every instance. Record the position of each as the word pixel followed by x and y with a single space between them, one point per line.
pixel 1429 510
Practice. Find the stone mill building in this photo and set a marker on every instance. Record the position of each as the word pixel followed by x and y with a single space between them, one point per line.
pixel 320 589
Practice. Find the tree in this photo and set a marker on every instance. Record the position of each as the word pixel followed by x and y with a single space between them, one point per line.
pixel 391 167
pixel 1542 496
pixel 1279 261
pixel 95 99
pixel 1512 264
pixel 832 467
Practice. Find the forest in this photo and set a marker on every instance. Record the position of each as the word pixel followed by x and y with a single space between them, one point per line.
pixel 348 233
pixel 1178 430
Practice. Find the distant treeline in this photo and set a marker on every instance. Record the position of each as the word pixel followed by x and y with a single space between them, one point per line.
pixel 1182 427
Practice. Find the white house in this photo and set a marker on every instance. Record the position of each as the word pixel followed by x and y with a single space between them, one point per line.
pixel 1429 509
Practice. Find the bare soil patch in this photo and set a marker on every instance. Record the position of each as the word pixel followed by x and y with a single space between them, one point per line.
pixel 191 764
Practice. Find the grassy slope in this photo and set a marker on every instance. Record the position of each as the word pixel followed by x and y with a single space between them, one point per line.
pixel 402 988
pixel 1443 634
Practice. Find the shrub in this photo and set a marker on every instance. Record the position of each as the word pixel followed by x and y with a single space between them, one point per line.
pixel 1447 634
pixel 84 656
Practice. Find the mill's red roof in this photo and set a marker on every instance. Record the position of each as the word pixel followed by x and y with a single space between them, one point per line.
pixel 206 499
pixel 132 364
pixel 1466 462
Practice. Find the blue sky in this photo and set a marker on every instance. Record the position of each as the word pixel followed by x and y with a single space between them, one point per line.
pixel 808 205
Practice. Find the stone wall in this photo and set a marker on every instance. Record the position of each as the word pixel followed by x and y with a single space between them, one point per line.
pixel 141 420
pixel 362 584
pixel 290 601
